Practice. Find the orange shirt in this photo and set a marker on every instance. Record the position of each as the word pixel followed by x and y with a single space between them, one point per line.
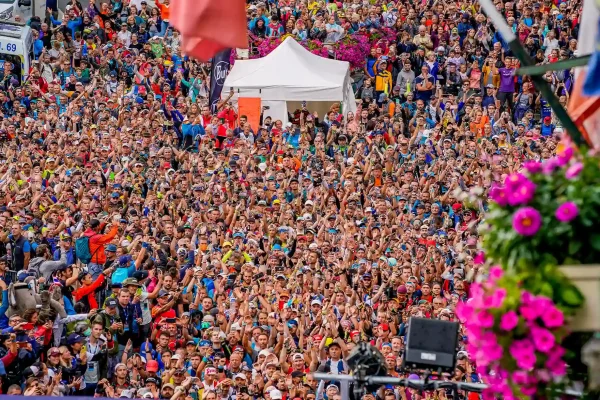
pixel 164 10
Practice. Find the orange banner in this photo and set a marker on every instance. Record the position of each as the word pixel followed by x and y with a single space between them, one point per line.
pixel 250 107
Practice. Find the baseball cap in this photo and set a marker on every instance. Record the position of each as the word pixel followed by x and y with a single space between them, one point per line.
pixel 152 366
pixel 111 302
pixel 75 338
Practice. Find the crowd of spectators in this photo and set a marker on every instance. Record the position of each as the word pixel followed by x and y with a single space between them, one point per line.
pixel 228 263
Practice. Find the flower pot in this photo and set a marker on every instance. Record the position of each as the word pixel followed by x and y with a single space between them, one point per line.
pixel 587 279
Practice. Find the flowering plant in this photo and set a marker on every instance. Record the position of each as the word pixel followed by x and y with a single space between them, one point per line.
pixel 353 48
pixel 514 337
pixel 546 214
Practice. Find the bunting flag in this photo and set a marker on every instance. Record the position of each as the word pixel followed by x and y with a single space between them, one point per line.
pixel 208 26
pixel 584 102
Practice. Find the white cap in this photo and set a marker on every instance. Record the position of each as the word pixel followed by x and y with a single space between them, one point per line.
pixel 264 352
pixel 262 166
pixel 275 394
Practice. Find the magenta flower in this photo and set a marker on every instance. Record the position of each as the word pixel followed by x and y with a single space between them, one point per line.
pixel 498 194
pixel 549 166
pixel 563 157
pixel 496 299
pixel 553 317
pixel 567 212
pixel 533 167
pixel 522 194
pixel 496 273
pixel 479 258
pixel 528 390
pixel 509 321
pixel 520 377
pixel 464 311
pixel 543 339
pixel 514 180
pixel 523 353
pixel 574 170
pixel 555 363
pixel 529 311
pixel 484 319
pixel 527 221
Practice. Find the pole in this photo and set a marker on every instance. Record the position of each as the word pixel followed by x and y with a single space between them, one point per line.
pixel 513 42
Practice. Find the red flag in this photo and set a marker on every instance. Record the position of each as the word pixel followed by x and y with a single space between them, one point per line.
pixel 209 26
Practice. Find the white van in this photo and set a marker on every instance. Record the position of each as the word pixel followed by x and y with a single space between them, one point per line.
pixel 9 9
pixel 16 46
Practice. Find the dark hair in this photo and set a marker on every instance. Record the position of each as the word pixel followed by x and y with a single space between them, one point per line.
pixel 94 223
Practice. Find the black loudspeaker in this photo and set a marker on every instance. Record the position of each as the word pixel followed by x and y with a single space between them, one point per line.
pixel 431 344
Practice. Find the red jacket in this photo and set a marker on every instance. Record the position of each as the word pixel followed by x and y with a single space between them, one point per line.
pixel 97 242
pixel 89 292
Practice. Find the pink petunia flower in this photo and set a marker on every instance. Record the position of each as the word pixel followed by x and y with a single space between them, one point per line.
pixel 543 339
pixel 553 317
pixel 509 321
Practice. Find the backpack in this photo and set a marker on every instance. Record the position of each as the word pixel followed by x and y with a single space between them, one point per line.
pixel 120 274
pixel 82 249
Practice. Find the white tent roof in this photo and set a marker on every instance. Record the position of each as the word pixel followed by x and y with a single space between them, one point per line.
pixel 291 73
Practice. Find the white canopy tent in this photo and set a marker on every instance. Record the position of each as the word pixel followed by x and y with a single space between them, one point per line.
pixel 290 73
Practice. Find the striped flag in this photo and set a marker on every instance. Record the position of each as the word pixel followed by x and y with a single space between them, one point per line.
pixel 584 109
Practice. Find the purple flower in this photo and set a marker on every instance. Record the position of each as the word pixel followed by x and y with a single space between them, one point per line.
pixel 574 170
pixel 527 221
pixel 533 167
pixel 509 321
pixel 567 212
pixel 522 194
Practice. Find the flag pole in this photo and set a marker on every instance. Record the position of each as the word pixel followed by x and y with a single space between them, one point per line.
pixel 513 42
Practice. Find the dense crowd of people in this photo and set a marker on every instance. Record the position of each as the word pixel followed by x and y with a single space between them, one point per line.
pixel 173 252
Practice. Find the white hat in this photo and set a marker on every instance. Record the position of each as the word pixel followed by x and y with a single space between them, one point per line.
pixel 316 301
pixel 264 352
pixel 241 376
pixel 262 166
pixel 309 203
pixel 275 394
pixel 307 217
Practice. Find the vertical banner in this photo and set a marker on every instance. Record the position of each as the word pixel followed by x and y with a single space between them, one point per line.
pixel 220 69
pixel 250 107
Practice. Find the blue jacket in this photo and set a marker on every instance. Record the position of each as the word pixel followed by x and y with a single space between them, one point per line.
pixel 73 24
